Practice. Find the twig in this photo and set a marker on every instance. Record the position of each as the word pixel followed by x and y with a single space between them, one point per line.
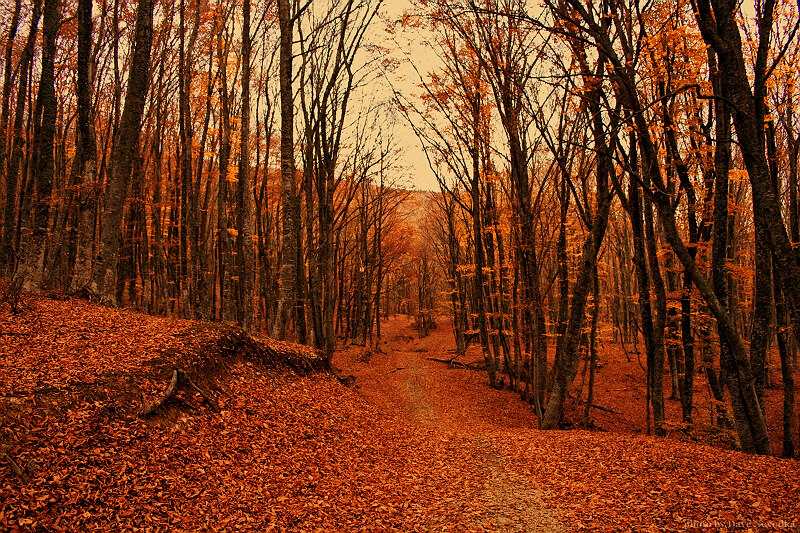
pixel 606 409
pixel 396 369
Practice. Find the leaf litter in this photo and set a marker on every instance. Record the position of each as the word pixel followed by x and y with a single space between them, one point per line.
pixel 426 448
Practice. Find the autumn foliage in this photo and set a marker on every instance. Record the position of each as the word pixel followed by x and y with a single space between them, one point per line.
pixel 418 447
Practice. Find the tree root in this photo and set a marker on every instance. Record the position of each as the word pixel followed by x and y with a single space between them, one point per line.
pixel 207 397
pixel 16 468
pixel 178 376
pixel 150 409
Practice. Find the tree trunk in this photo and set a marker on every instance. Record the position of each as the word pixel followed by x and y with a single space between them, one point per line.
pixel 587 410
pixel 781 313
pixel 105 269
pixel 288 185
pixel 720 29
pixel 245 188
pixel 5 105
pixel 87 172
pixel 567 367
pixel 14 178
pixel 480 261
pixel 43 164
pixel 656 367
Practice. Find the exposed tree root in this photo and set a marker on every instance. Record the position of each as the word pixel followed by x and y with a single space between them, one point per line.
pixel 178 377
pixel 150 409
pixel 207 397
pixel 16 468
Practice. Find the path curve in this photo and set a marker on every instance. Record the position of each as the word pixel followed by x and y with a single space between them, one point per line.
pixel 455 404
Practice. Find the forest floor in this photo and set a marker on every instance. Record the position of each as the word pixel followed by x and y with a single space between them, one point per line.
pixel 278 445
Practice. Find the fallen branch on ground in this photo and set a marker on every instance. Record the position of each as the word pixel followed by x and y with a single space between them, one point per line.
pixel 606 409
pixel 478 365
pixel 345 379
pixel 595 406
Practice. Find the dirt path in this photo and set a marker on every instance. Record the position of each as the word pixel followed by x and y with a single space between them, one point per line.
pixel 455 404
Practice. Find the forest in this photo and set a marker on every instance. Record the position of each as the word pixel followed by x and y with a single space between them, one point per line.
pixel 618 171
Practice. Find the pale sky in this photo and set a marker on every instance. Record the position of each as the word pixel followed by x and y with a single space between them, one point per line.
pixel 407 46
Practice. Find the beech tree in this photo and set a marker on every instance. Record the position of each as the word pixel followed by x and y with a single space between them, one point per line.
pixel 122 158
pixel 44 117
pixel 289 198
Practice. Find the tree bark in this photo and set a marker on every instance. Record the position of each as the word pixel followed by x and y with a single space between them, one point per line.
pixel 245 188
pixel 105 269
pixel 656 366
pixel 43 163
pixel 720 29
pixel 14 177
pixel 87 172
pixel 5 103
pixel 288 276
pixel 567 362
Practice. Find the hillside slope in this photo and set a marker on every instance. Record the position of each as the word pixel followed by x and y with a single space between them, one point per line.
pixel 273 443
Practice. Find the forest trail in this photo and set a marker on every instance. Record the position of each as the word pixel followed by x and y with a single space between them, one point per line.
pixel 414 446
pixel 564 480
pixel 403 379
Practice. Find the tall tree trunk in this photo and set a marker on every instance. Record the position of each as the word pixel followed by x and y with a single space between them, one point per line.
pixel 185 279
pixel 720 244
pixel 719 25
pixel 642 277
pixel 206 262
pixel 290 246
pixel 245 188
pixel 123 152
pixel 5 103
pixel 567 368
pixel 43 162
pixel 762 289
pixel 224 244
pixel 477 236
pixel 14 177
pixel 87 172
pixel 656 366
pixel 587 410
pixel 787 376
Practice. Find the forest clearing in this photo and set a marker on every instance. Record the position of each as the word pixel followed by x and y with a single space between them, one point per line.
pixel 413 446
